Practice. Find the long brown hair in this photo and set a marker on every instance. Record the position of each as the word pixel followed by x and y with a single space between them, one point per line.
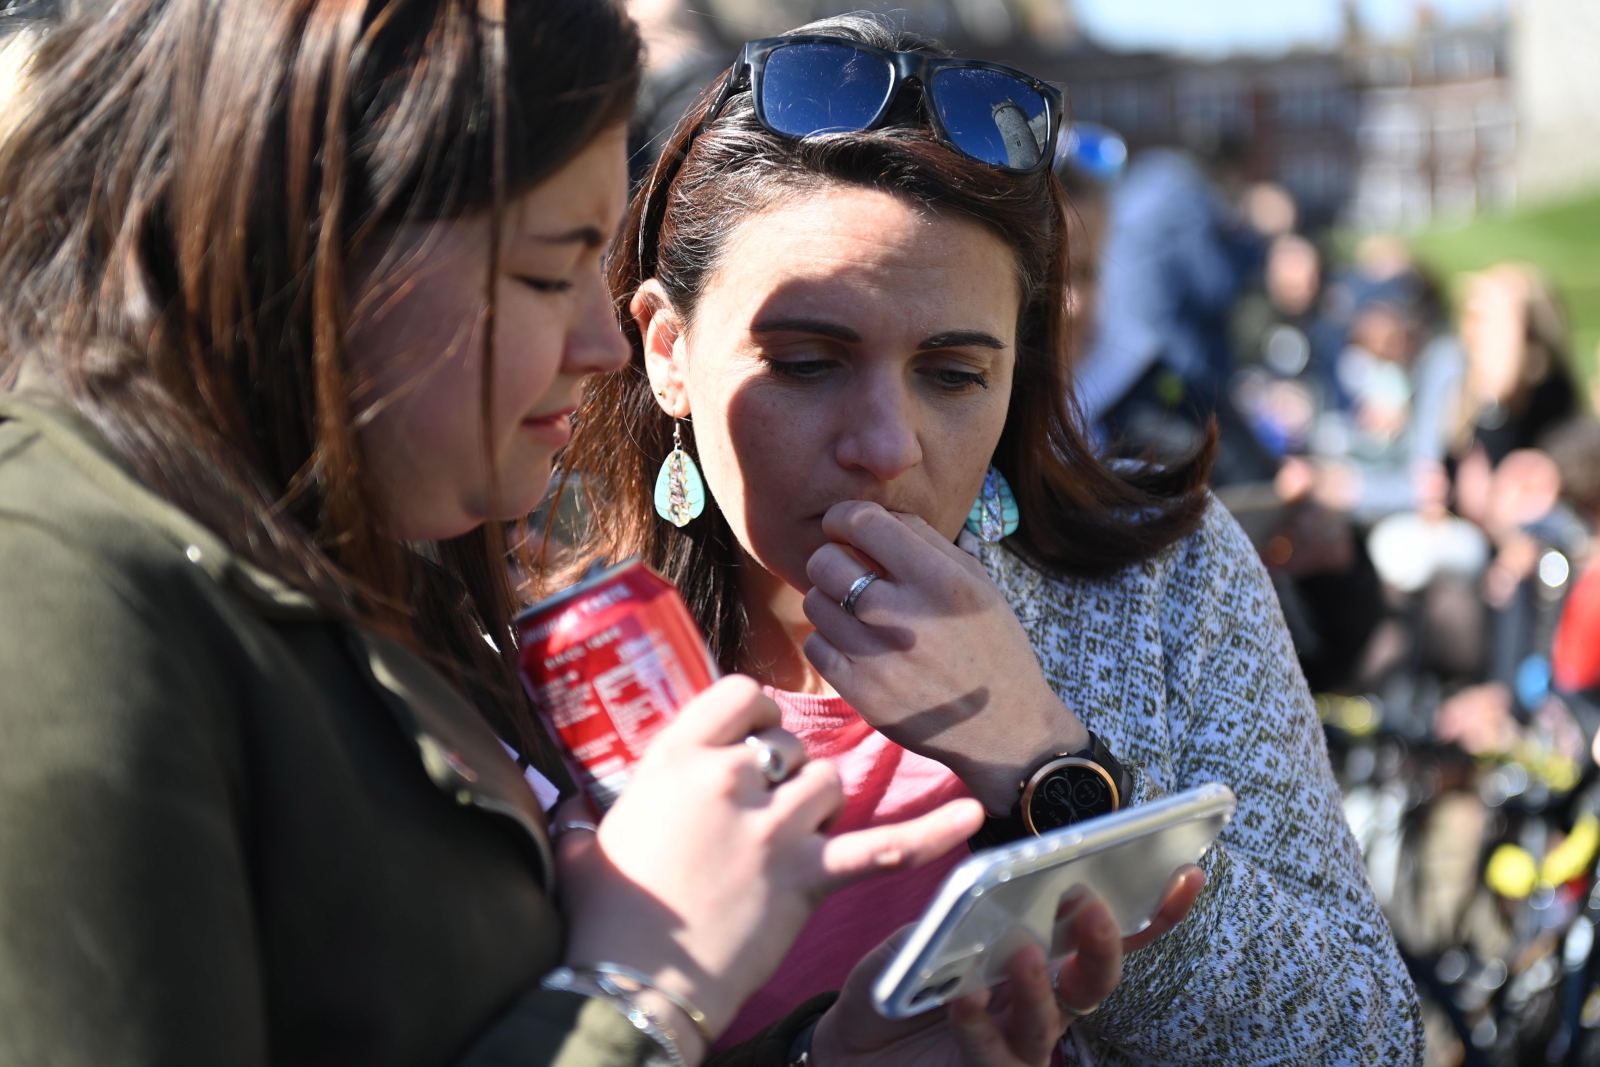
pixel 1078 517
pixel 177 212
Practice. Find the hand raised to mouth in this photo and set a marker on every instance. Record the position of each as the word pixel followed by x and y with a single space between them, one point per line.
pixel 932 655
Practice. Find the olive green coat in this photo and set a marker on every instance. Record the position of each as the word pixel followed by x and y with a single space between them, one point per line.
pixel 235 830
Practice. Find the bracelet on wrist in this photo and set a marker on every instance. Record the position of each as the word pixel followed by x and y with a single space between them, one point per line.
pixel 600 986
pixel 629 977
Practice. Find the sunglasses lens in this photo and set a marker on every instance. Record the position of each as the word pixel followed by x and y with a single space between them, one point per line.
pixel 992 116
pixel 809 88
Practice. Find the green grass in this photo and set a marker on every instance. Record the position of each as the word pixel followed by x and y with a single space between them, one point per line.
pixel 1563 238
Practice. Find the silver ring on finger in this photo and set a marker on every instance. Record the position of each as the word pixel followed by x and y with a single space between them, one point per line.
pixel 1061 1002
pixel 568 825
pixel 858 587
pixel 776 764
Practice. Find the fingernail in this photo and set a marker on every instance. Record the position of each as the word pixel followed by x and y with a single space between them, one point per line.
pixel 892 857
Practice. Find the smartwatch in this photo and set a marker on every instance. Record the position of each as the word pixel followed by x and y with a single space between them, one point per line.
pixel 1066 788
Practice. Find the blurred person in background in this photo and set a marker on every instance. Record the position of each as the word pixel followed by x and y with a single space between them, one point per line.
pixel 1518 384
pixel 295 303
pixel 1325 583
pixel 1383 450
pixel 1175 257
pixel 1575 646
pixel 1286 347
pixel 1089 160
pixel 1544 506
pixel 851 322
pixel 1515 387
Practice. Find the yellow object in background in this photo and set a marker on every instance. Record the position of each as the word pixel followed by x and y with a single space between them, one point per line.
pixel 1572 857
pixel 1512 872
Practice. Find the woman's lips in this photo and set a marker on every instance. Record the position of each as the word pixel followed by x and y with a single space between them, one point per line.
pixel 553 429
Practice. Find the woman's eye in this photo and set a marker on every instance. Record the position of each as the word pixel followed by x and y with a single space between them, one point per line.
pixel 544 285
pixel 801 370
pixel 961 379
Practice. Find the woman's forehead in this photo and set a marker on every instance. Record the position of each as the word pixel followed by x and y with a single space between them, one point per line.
pixel 848 249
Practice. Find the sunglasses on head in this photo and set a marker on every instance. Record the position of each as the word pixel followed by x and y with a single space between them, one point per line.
pixel 809 85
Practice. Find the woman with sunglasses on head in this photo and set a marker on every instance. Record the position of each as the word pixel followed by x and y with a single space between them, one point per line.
pixel 846 283
pixel 296 298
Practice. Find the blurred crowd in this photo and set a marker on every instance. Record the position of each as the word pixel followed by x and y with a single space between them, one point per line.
pixel 1419 470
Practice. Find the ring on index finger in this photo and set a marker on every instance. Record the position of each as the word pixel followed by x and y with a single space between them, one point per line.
pixel 858 587
pixel 777 763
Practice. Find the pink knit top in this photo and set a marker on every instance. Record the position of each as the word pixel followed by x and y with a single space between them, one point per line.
pixel 882 783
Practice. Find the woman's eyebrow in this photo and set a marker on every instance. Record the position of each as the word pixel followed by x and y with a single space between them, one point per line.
pixel 962 339
pixel 822 327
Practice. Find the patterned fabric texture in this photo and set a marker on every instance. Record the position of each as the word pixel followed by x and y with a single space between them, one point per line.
pixel 1183 665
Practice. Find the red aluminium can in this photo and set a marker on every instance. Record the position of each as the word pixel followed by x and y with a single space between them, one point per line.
pixel 608 663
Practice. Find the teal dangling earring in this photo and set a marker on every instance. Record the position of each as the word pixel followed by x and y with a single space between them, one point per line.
pixel 680 494
pixel 994 514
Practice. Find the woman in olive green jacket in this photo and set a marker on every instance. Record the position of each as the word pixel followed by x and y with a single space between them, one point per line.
pixel 295 300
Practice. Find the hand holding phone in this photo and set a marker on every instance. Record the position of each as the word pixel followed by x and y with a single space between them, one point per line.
pixel 1015 1025
pixel 1005 899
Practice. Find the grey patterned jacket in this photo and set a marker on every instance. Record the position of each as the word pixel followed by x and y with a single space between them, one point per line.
pixel 1183 665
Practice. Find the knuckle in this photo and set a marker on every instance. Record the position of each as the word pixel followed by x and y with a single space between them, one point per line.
pixel 819 779
pixel 827 775
pixel 739 689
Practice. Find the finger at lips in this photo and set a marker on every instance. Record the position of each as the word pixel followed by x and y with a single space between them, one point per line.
pixel 919 526
pixel 870 529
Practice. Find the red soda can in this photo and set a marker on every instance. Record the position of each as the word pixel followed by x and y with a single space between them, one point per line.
pixel 608 663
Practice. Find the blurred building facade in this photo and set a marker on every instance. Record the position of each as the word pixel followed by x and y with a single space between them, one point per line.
pixel 1556 46
pixel 1437 131
pixel 1381 134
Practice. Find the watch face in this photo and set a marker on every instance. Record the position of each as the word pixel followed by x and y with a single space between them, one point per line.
pixel 1070 793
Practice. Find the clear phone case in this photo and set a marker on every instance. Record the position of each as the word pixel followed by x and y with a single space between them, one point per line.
pixel 1005 898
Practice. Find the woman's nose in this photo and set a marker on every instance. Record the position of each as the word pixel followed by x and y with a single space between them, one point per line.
pixel 595 344
pixel 880 437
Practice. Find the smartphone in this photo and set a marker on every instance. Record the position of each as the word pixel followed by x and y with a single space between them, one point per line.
pixel 1005 898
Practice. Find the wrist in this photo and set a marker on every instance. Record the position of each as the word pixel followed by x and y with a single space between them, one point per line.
pixel 997 779
pixel 645 1010
pixel 668 1000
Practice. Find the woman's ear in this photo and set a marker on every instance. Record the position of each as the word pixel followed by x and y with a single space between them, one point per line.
pixel 662 331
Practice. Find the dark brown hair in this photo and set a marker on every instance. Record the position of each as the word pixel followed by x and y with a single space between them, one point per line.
pixel 177 212
pixel 1078 517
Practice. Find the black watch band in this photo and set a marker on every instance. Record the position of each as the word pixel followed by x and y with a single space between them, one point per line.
pixel 1067 787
